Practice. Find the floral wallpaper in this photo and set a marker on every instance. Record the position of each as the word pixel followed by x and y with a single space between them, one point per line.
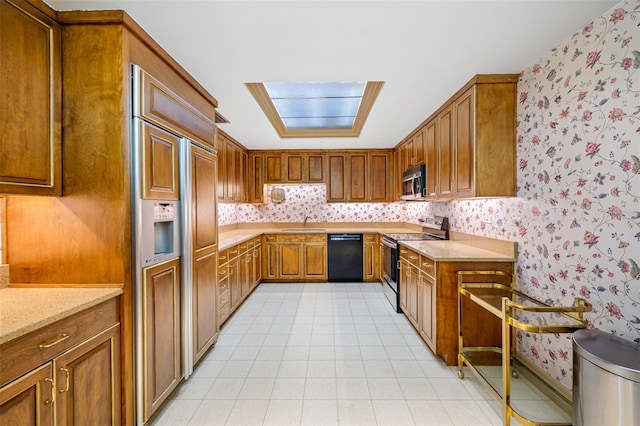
pixel 577 215
pixel 311 200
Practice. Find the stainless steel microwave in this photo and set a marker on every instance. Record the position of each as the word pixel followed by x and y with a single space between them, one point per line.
pixel 413 183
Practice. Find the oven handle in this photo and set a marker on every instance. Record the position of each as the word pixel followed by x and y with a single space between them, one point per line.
pixel 389 243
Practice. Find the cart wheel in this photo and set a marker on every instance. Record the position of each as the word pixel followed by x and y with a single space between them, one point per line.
pixel 461 374
pixel 514 374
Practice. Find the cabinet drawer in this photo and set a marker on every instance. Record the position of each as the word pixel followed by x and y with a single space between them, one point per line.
pixel 270 238
pixel 223 313
pixel 223 271
pixel 27 352
pixel 233 252
pixel 223 284
pixel 223 257
pixel 428 265
pixel 225 297
pixel 250 244
pixel 243 248
pixel 316 238
pixel 291 238
pixel 370 238
pixel 257 241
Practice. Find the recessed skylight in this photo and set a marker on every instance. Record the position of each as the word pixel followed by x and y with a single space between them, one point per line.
pixel 316 109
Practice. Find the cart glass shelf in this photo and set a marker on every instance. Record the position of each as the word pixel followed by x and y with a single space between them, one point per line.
pixel 526 396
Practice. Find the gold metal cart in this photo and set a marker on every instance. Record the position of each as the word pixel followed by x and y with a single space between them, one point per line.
pixel 525 393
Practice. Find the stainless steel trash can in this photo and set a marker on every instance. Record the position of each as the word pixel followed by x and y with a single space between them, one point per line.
pixel 606 380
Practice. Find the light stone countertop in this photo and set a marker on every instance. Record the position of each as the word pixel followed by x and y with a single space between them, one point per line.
pixel 23 310
pixel 452 251
pixel 233 237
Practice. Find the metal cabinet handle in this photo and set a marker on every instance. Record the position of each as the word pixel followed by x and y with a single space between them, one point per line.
pixel 66 387
pixel 45 345
pixel 51 399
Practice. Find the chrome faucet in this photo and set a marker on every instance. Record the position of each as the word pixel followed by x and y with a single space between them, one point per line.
pixel 304 222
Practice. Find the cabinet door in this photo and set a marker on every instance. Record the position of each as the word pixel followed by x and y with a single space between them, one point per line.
pixel 290 256
pixel 88 381
pixel 336 175
pixel 371 258
pixel 222 167
pixel 246 273
pixel 230 170
pixel 28 401
pixel 273 168
pixel 464 112
pixel 418 147
pixel 427 309
pixel 162 340
pixel 380 171
pixel 412 296
pixel 255 187
pixel 358 177
pixel 234 282
pixel 446 153
pixel 240 158
pixel 294 168
pixel 315 260
pixel 405 277
pixel 257 265
pixel 204 304
pixel 203 199
pixel 397 173
pixel 31 111
pixel 315 172
pixel 431 159
pixel 160 158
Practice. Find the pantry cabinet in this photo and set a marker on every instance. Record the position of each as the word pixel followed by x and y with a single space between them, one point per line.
pixel 31 111
pixel 66 373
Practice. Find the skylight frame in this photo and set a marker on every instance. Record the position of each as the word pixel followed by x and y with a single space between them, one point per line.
pixel 261 95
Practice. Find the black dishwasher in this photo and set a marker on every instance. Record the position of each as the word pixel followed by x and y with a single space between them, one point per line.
pixel 344 257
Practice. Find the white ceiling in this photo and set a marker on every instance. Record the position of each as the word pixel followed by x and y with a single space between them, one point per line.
pixel 423 49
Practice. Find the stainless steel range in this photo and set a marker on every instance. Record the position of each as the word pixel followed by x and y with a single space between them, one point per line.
pixel 390 260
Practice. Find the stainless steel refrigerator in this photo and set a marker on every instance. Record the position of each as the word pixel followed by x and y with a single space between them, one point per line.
pixel 174 206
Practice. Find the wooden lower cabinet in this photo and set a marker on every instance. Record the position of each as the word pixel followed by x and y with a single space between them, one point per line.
pixel 28 400
pixel 79 380
pixel 295 257
pixel 88 382
pixel 162 342
pixel 371 267
pixel 234 282
pixel 428 297
pixel 257 262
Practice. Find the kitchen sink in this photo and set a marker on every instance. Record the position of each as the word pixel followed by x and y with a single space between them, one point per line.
pixel 304 230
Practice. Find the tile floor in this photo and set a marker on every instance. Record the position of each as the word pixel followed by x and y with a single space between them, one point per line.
pixel 324 354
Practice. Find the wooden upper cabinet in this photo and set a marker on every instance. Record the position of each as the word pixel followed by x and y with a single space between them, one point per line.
pixel 163 106
pixel 160 156
pixel 294 168
pixel 446 150
pixel 222 166
pixel 358 177
pixel 464 111
pixel 315 163
pixel 31 111
pixel 469 143
pixel 380 183
pixel 255 187
pixel 273 168
pixel 431 158
pixel 336 177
